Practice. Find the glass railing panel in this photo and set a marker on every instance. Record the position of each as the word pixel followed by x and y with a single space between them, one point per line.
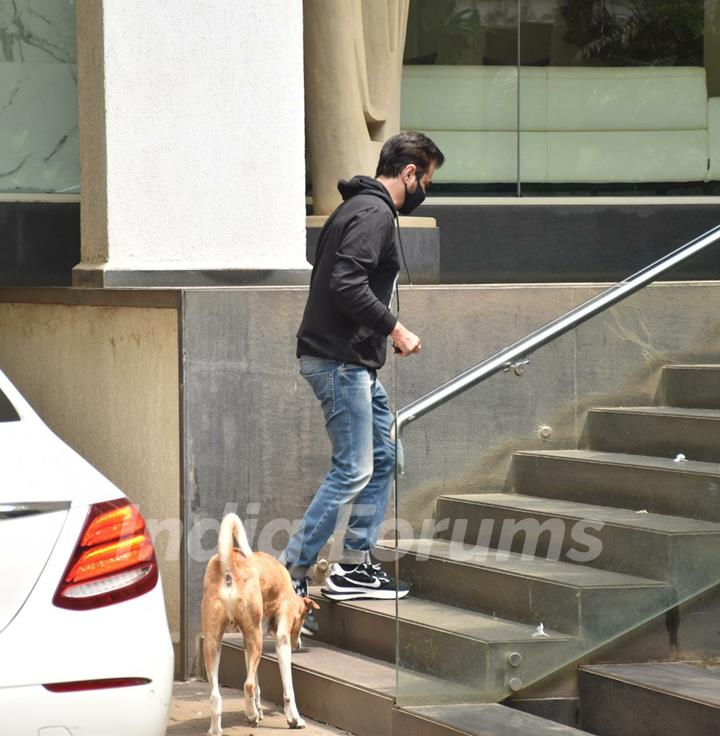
pixel 543 516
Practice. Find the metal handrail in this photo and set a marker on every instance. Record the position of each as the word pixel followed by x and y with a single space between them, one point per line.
pixel 515 357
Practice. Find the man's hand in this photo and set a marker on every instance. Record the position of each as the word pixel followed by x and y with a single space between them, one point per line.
pixel 404 341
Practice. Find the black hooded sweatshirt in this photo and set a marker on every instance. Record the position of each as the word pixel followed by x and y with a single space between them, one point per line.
pixel 356 262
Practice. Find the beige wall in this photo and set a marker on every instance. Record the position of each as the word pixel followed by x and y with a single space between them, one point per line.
pixel 105 379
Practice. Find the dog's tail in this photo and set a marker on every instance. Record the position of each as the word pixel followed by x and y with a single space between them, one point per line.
pixel 232 528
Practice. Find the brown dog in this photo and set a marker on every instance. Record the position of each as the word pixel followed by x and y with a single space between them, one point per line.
pixel 242 591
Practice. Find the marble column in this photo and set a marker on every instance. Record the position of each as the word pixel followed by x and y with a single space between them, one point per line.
pixel 191 142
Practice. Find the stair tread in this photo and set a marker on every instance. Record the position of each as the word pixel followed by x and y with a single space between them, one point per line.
pixel 483 720
pixel 693 367
pixel 605 514
pixel 637 461
pixel 562 573
pixel 679 679
pixel 456 620
pixel 665 411
pixel 360 671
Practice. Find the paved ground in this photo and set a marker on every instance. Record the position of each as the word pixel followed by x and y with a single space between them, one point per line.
pixel 190 715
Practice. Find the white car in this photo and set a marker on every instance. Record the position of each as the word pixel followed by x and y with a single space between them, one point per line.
pixel 84 642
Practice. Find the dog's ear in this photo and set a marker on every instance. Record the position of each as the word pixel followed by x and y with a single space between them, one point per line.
pixel 310 603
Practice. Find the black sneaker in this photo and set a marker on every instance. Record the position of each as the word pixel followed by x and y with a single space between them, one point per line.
pixel 348 582
pixel 310 625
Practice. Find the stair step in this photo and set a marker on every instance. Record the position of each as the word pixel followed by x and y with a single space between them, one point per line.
pixel 348 690
pixel 356 693
pixel 444 641
pixel 480 720
pixel 648 545
pixel 658 431
pixel 661 698
pixel 638 482
pixel 691 386
pixel 569 598
pixel 440 617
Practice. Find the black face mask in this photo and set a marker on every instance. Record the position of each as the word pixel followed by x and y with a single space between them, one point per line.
pixel 412 199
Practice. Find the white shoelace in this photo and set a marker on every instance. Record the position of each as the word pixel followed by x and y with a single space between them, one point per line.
pixel 379 572
pixel 373 570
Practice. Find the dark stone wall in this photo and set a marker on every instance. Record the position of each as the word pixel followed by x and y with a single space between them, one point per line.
pixel 39 243
pixel 526 243
pixel 519 243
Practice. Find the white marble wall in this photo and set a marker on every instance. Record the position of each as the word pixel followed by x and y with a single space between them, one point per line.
pixel 38 97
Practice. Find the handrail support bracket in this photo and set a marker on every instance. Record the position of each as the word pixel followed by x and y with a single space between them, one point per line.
pixel 518 367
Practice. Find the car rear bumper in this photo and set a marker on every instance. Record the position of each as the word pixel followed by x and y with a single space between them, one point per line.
pixel 141 710
pixel 47 645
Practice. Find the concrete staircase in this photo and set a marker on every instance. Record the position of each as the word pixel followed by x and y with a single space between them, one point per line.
pixel 357 693
pixel 593 543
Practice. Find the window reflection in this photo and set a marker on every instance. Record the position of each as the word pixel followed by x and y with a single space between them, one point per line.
pixel 615 96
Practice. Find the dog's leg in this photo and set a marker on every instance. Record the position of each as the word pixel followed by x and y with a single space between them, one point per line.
pixel 283 649
pixel 258 699
pixel 253 652
pixel 213 629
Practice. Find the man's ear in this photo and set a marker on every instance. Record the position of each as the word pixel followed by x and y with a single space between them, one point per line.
pixel 408 170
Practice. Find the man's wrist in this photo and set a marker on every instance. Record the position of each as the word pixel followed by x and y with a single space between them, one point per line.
pixel 388 324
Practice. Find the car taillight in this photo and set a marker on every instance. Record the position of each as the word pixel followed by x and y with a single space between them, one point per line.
pixel 113 561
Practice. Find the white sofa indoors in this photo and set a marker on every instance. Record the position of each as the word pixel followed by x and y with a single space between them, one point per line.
pixel 579 124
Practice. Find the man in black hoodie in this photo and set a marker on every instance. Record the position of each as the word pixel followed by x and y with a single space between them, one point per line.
pixel 342 342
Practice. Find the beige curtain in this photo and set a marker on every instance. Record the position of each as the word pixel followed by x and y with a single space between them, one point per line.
pixel 353 67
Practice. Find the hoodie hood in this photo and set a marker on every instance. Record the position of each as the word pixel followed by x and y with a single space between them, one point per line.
pixel 365 185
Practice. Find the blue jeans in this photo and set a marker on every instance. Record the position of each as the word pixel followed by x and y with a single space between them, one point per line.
pixel 358 420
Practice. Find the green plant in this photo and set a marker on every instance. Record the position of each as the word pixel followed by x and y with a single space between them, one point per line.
pixel 637 32
pixel 449 34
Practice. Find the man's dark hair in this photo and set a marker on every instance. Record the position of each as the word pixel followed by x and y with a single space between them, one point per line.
pixel 408 147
